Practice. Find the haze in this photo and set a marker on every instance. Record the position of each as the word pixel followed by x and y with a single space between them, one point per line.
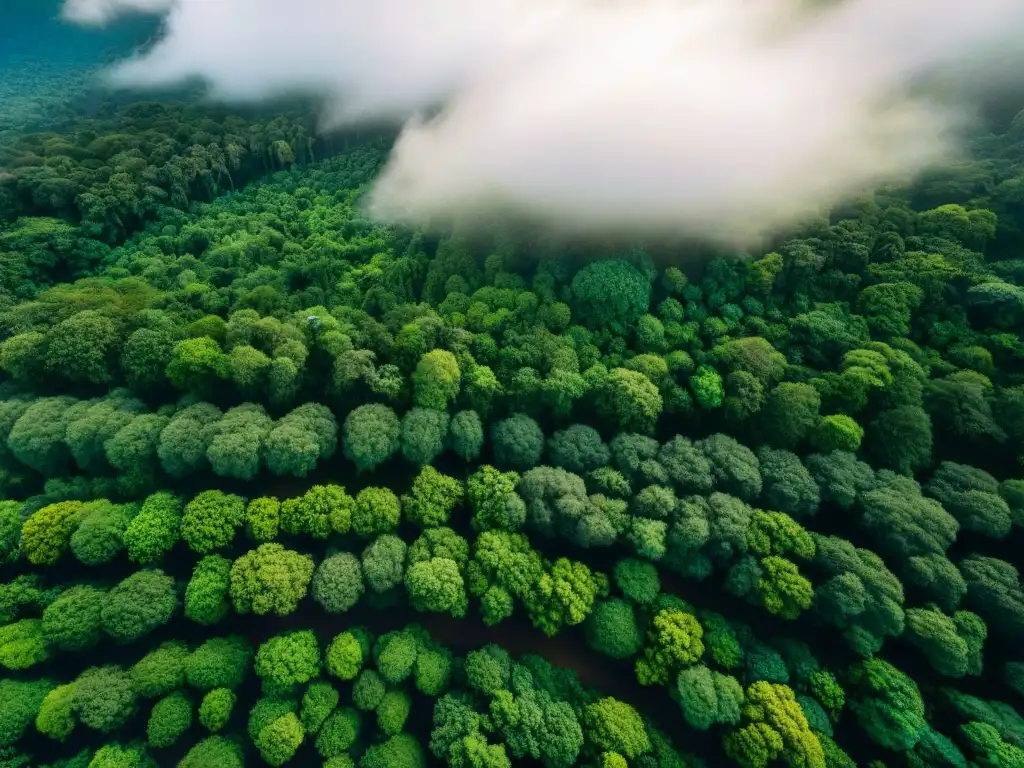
pixel 723 120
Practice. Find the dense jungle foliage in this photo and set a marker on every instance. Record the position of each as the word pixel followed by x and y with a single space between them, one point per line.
pixel 283 485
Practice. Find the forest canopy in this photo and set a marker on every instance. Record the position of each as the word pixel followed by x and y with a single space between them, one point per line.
pixel 281 484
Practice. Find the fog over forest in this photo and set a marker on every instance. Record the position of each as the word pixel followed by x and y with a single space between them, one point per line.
pixel 615 385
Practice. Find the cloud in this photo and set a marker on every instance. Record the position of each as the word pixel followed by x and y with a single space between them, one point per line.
pixel 726 120
pixel 96 13
pixel 367 61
